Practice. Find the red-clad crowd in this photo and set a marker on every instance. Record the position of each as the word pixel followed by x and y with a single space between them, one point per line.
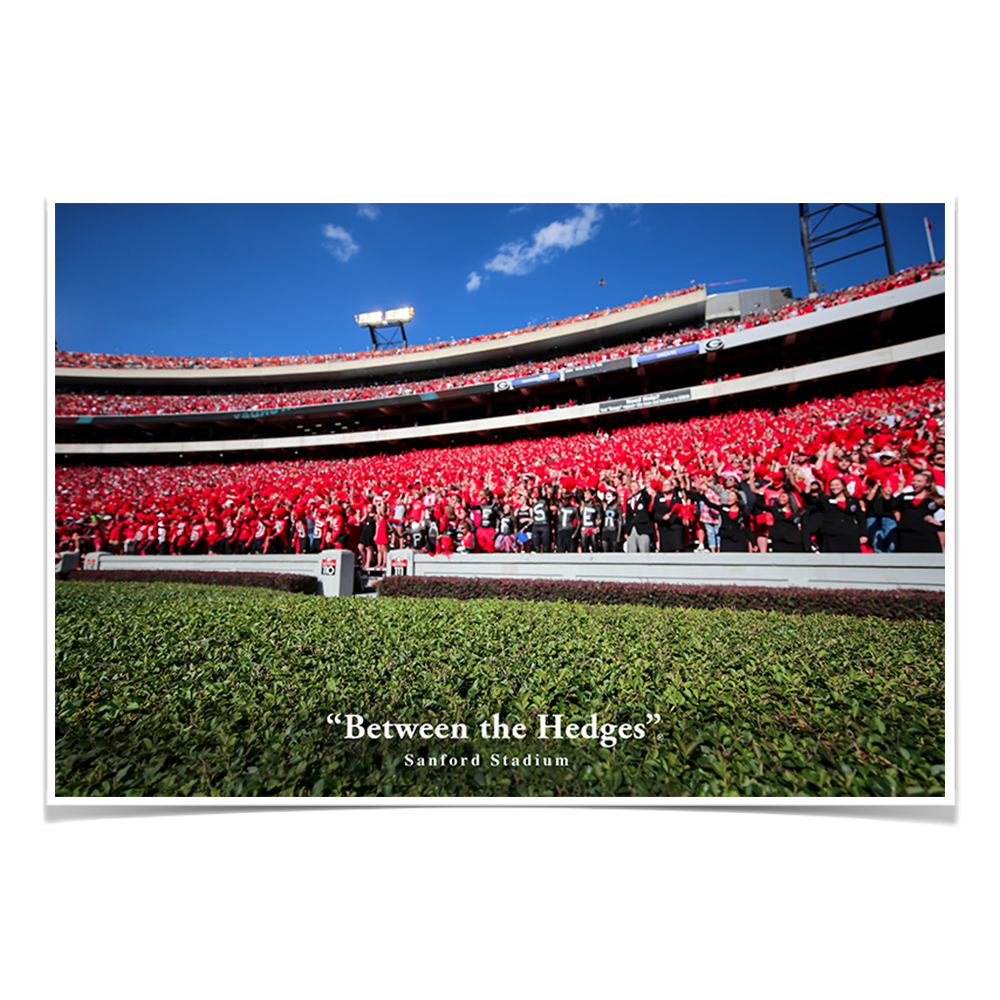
pixel 110 404
pixel 83 359
pixel 857 473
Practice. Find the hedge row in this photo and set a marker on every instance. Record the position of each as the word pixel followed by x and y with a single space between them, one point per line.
pixel 895 605
pixel 294 583
pixel 164 690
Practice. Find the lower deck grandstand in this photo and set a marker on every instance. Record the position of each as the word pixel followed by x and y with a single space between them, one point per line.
pixel 830 466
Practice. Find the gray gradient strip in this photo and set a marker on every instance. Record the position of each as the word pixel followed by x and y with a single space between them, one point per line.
pixel 151 817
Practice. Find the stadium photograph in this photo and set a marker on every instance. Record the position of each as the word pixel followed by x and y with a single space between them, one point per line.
pixel 562 502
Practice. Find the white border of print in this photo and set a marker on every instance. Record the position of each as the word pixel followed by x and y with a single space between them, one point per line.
pixel 843 803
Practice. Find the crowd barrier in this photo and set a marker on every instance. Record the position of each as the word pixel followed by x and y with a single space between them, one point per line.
pixel 334 569
pixel 888 571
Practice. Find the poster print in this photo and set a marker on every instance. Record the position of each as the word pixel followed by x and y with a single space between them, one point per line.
pixel 696 422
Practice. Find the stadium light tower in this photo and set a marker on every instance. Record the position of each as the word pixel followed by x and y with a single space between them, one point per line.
pixel 813 238
pixel 393 320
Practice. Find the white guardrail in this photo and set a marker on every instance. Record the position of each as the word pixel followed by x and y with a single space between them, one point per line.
pixel 334 569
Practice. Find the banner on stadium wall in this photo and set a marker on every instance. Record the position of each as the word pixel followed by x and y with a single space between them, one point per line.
pixel 584 371
pixel 666 353
pixel 255 414
pixel 536 379
pixel 643 402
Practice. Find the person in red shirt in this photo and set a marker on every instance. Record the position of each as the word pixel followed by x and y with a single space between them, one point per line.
pixel 276 538
pixel 337 533
pixel 381 534
pixel 467 537
pixel 213 531
pixel 246 529
pixel 840 467
pixel 140 539
pixel 260 531
pixel 300 530
pixel 321 524
pixel 115 535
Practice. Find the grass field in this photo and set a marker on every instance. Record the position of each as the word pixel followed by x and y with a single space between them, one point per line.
pixel 189 690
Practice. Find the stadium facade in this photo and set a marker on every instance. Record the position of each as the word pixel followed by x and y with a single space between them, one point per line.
pixel 677 368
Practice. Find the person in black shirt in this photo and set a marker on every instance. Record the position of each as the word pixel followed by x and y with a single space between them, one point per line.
pixel 541 523
pixel 611 524
pixel 413 536
pixel 504 540
pixel 431 532
pixel 638 519
pixel 668 516
pixel 735 528
pixel 918 530
pixel 812 526
pixel 522 523
pixel 590 523
pixel 488 513
pixel 786 534
pixel 844 524
pixel 568 521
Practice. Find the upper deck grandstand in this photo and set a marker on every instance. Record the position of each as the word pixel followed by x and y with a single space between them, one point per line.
pixel 71 359
pixel 656 345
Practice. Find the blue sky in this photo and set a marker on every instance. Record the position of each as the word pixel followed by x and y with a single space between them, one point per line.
pixel 285 279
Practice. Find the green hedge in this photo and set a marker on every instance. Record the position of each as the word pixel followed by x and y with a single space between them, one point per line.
pixel 897 605
pixel 164 690
pixel 297 583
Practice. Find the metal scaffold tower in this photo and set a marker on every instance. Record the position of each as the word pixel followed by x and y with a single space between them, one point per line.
pixel 815 236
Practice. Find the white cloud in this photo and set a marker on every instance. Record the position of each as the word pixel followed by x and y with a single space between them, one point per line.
pixel 339 242
pixel 473 283
pixel 369 211
pixel 521 257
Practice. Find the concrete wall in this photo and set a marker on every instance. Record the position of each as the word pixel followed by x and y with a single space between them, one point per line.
pixel 333 568
pixel 883 302
pixel 878 572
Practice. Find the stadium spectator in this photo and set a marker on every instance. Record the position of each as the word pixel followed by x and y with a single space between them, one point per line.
pixel 541 522
pixel 381 536
pixel 919 511
pixel 568 523
pixel 639 528
pixel 844 522
pixel 591 517
pixel 735 524
pixel 785 531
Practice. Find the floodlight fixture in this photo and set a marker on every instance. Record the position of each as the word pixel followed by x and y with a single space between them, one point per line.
pixel 379 320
